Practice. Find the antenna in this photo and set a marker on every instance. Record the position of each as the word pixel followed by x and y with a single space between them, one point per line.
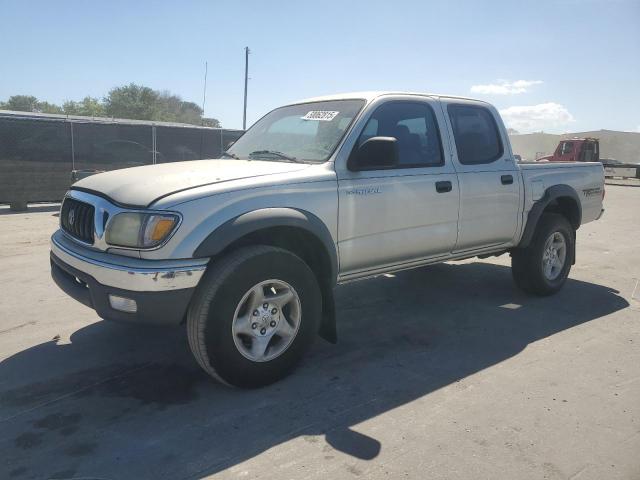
pixel 204 93
pixel 246 78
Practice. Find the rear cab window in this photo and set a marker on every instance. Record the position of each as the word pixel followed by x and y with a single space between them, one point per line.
pixel 476 134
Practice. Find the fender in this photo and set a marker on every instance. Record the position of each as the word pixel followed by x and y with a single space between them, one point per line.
pixel 250 222
pixel 552 193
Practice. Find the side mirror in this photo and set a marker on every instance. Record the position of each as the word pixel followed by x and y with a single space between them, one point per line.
pixel 377 153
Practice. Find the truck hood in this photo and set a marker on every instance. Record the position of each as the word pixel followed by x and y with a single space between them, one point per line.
pixel 141 186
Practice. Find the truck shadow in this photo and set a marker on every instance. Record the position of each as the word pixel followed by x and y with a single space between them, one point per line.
pixel 129 402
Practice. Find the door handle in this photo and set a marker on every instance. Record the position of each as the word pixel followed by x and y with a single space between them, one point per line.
pixel 506 179
pixel 442 187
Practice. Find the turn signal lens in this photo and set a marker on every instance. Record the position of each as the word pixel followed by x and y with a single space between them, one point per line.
pixel 162 228
pixel 158 227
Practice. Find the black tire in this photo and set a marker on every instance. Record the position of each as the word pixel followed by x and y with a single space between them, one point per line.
pixel 527 263
pixel 223 286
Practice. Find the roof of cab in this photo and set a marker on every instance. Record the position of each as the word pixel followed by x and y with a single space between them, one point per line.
pixel 369 96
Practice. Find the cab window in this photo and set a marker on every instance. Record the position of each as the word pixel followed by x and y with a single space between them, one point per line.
pixel 414 126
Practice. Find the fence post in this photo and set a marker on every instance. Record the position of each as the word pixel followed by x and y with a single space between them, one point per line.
pixel 73 148
pixel 153 143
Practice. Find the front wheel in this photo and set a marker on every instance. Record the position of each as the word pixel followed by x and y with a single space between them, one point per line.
pixel 254 315
pixel 543 267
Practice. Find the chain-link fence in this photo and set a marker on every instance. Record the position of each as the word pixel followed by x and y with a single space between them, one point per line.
pixel 40 154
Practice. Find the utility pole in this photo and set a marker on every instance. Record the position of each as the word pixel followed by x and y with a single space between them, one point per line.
pixel 246 78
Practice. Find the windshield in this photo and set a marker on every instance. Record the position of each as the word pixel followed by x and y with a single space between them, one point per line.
pixel 307 132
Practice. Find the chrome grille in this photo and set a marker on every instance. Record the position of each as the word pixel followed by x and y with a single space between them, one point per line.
pixel 76 218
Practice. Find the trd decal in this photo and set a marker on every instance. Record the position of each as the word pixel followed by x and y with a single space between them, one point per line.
pixel 590 192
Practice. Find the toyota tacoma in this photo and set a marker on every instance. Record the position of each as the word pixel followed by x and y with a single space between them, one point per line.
pixel 246 249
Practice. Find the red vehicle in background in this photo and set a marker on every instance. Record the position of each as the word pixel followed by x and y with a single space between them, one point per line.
pixel 588 150
pixel 575 150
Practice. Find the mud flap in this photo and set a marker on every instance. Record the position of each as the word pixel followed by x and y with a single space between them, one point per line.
pixel 328 330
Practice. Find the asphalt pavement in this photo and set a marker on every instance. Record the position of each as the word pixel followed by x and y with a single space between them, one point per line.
pixel 443 372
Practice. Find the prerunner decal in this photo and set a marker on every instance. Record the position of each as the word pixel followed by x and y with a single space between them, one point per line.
pixel 320 115
pixel 588 192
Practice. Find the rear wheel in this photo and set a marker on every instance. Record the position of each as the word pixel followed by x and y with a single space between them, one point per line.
pixel 543 267
pixel 253 316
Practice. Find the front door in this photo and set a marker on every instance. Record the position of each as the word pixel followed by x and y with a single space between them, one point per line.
pixel 388 217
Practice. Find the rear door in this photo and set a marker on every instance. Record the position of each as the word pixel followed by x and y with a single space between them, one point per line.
pixel 487 174
pixel 388 217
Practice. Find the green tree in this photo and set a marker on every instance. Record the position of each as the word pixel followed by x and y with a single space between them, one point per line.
pixel 21 103
pixel 172 108
pixel 211 122
pixel 46 107
pixel 131 101
pixel 88 106
pixel 29 103
pixel 188 112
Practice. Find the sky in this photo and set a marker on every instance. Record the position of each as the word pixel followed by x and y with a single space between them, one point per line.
pixel 563 66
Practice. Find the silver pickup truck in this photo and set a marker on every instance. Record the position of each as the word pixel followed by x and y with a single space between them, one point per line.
pixel 247 249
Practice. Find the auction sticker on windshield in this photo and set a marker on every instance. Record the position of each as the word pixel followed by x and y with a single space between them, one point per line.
pixel 321 115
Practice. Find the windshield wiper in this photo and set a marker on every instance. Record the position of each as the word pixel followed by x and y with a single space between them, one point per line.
pixel 274 153
pixel 230 155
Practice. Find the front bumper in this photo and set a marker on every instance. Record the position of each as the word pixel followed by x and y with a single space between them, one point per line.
pixel 162 290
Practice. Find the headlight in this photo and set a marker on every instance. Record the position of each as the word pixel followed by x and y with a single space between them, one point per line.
pixel 140 230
